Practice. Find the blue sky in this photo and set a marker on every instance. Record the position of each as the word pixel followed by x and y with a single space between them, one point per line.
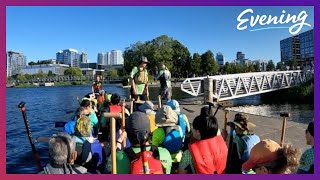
pixel 40 32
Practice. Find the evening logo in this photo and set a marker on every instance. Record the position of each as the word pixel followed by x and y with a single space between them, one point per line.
pixel 273 22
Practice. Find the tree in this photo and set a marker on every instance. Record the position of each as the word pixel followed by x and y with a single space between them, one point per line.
pixel 50 73
pixel 257 67
pixel 113 73
pixel 103 74
pixel 280 66
pixel 196 64
pixel 208 64
pixel 73 71
pixel 270 66
pixel 32 63
pixel 21 77
pixel 161 49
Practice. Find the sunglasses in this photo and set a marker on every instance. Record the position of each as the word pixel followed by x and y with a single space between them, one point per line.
pixel 85 114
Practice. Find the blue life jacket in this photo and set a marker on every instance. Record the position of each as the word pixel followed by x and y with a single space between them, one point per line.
pixel 250 141
pixel 69 127
pixel 174 138
pixel 90 151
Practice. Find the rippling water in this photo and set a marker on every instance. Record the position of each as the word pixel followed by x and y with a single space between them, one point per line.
pixel 45 105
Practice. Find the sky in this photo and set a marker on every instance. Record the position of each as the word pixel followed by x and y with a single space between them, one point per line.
pixel 40 32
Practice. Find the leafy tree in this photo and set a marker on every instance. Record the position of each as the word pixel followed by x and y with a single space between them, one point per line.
pixel 50 73
pixel 32 63
pixel 21 77
pixel 73 71
pixel 103 74
pixel 257 67
pixel 113 73
pixel 196 64
pixel 270 66
pixel 208 64
pixel 280 66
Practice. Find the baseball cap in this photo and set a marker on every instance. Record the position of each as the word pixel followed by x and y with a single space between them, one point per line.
pixel 263 152
pixel 137 122
pixel 147 105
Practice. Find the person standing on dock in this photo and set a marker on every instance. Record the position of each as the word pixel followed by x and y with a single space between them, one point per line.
pixel 97 85
pixel 139 80
pixel 164 77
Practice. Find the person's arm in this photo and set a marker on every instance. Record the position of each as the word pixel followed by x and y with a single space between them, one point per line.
pixel 133 84
pixel 185 163
pixel 92 87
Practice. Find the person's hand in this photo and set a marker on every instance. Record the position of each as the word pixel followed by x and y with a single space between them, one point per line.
pixel 123 135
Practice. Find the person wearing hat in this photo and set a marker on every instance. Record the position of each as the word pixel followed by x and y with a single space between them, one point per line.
pixel 138 122
pixel 148 108
pixel 171 132
pixel 139 80
pixel 164 77
pixel 268 157
pixel 306 164
pixel 243 141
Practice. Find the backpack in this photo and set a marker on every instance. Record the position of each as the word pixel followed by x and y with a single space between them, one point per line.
pixel 175 135
pixel 136 163
pixel 141 77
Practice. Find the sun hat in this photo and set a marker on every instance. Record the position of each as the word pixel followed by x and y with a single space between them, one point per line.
pixel 242 121
pixel 262 153
pixel 165 116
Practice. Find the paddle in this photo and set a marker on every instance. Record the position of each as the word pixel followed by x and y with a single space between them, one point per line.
pixel 26 122
pixel 230 149
pixel 284 124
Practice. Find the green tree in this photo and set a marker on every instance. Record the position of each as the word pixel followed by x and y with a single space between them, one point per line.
pixel 161 49
pixel 208 64
pixel 270 66
pixel 21 77
pixel 50 73
pixel 113 73
pixel 32 63
pixel 196 64
pixel 73 71
pixel 257 67
pixel 280 66
pixel 104 74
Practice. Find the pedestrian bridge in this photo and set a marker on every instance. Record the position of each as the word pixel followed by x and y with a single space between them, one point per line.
pixel 226 87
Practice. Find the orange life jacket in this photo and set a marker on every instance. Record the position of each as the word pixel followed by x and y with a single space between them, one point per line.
pixel 115 108
pixel 209 155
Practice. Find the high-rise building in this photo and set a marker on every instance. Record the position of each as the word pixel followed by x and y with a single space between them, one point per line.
pixel 69 57
pixel 83 57
pixel 108 55
pixel 240 56
pixel 101 58
pixel 116 57
pixel 15 62
pixel 220 59
pixel 299 47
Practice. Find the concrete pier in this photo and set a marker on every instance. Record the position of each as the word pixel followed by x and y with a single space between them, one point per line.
pixel 265 127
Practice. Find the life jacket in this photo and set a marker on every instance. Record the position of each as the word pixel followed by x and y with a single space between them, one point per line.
pixel 175 135
pixel 108 97
pixel 250 141
pixel 115 108
pixel 89 151
pixel 100 100
pixel 141 77
pixel 64 169
pixel 209 155
pixel 166 75
pixel 153 125
pixel 152 157
pixel 97 86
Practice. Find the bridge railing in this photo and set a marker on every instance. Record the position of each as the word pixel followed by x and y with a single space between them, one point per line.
pixel 226 87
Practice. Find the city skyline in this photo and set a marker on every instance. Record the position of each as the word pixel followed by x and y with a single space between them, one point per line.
pixel 198 28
